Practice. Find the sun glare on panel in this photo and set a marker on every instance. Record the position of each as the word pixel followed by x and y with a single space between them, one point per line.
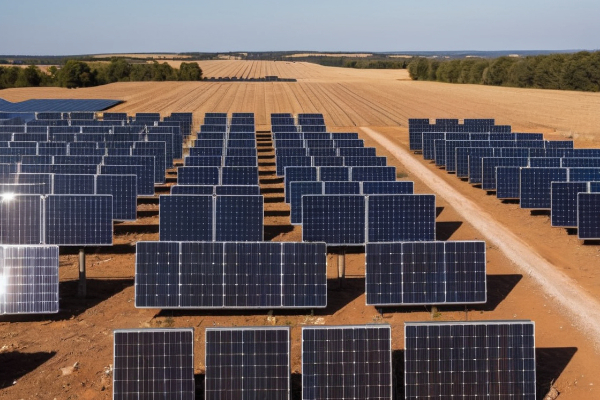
pixel 7 197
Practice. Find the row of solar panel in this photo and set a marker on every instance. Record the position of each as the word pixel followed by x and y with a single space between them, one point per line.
pixel 63 148
pixel 314 135
pixel 144 173
pixel 204 275
pixel 145 155
pixel 416 128
pixel 211 218
pixel 231 129
pixel 220 151
pixel 300 188
pixel 326 152
pixel 122 188
pixel 220 161
pixel 336 174
pixel 224 135
pixel 492 359
pixel 217 176
pixel 64 220
pixel 223 190
pixel 317 143
pixel 243 143
pixel 327 161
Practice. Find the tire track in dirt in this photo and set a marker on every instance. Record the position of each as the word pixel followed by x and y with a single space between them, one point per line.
pixel 577 304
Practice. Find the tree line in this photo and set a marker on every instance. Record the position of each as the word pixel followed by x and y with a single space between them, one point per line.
pixel 77 73
pixel 577 71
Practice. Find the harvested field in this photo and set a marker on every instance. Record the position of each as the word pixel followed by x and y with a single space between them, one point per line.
pixel 40 350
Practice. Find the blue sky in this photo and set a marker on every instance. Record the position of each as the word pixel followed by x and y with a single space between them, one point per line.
pixel 34 27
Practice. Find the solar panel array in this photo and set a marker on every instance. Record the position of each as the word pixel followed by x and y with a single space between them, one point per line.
pixel 230 275
pixel 541 174
pixel 487 359
pixel 247 363
pixel 28 279
pixel 153 364
pixel 346 362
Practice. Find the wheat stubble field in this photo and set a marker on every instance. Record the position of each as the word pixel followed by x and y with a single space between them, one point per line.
pixel 43 350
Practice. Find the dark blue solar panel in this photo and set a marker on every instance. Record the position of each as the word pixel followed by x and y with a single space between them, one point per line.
pixel 58 105
pixel 18 151
pixel 323 161
pixel 422 273
pixel 237 190
pixel 474 164
pixel 241 152
pixel 206 151
pixel 594 187
pixel 203 161
pixel 186 218
pixel 564 203
pixel 198 176
pixel 206 190
pixel 79 220
pixel 508 182
pixel 156 150
pixel 317 136
pixel 291 152
pixel 201 275
pixel 74 184
pixel 318 143
pixel 584 174
pixel 450 157
pixel 123 189
pixel 348 143
pixel 246 134
pixel 346 362
pixel 291 161
pixel 582 162
pixel 439 152
pixel 545 162
pixel 322 152
pixel 428 141
pixel 247 363
pixel 357 152
pixel 288 134
pixel 489 165
pixel 157 274
pixel 365 174
pixel 29 279
pixel 342 188
pixel 231 161
pixel 293 174
pixel 484 359
pixel 145 176
pixel 559 144
pixel 21 219
pixel 146 161
pixel 344 135
pixel 335 174
pixel 588 216
pixel 334 219
pixel 239 176
pixel 242 143
pixel 8 168
pixel 535 186
pixel 297 190
pixel 365 161
pixel 393 218
pixel 388 187
pixel 33 159
pixel 304 275
pixel 288 143
pixel 239 218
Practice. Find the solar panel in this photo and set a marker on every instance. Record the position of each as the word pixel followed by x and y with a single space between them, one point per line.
pixel 123 189
pixel 388 187
pixel 342 188
pixel 439 152
pixel 588 216
pixel 186 218
pixel 322 152
pixel 247 363
pixel 357 152
pixel 198 176
pixel 409 217
pixel 348 143
pixel 79 220
pixel 364 174
pixel 28 279
pixel 545 162
pixel 594 187
pixel 346 362
pixel 291 161
pixel 237 190
pixel 154 363
pixel 74 184
pixel 427 144
pixel 206 151
pixel 239 176
pixel 508 182
pixel 21 219
pixel 206 190
pixel 200 275
pixel 293 174
pixel 334 219
pixel 323 161
pixel 238 161
pixel 564 203
pixel 535 186
pixel 297 190
pixel 158 151
pixel 425 273
pixel 239 218
pixel 471 167
pixel 365 161
pixel 241 152
pixel 489 165
pixel 334 174
pixel 584 174
pixel 157 274
pixel 292 152
pixel 203 161
pixel 491 359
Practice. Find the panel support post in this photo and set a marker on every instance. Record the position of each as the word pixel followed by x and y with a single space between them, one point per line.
pixel 342 266
pixel 81 288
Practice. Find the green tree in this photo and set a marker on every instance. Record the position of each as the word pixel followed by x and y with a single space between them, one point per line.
pixel 548 71
pixel 497 72
pixel 30 76
pixel 118 70
pixel 76 74
pixel 190 72
pixel 9 76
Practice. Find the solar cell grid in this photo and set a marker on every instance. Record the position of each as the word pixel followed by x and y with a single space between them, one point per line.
pixel 186 218
pixel 297 190
pixel 239 176
pixel 239 218
pixel 535 186
pixel 28 279
pixel 336 174
pixel 21 219
pixel 489 165
pixel 293 174
pixel 342 188
pixel 564 203
pixel 346 362
pixel 408 217
pixel 248 363
pixel 492 359
pixel 588 216
pixel 154 363
pixel 387 187
pixel 364 174
pixel 334 219
pixel 508 182
pixel 123 189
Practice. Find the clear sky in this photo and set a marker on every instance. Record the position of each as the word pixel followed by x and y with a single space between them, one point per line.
pixel 69 27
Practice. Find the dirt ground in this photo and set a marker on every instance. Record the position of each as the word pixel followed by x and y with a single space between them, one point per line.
pixel 69 355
